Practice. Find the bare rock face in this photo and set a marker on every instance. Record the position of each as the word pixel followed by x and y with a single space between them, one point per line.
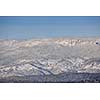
pixel 49 57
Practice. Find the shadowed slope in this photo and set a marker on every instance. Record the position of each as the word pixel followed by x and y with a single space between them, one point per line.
pixel 60 78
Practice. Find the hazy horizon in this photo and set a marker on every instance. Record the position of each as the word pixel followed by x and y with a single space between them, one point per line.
pixel 28 27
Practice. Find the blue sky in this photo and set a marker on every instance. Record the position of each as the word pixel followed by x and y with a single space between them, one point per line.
pixel 54 26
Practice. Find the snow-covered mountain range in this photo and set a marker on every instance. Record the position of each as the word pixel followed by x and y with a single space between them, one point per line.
pixel 49 56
